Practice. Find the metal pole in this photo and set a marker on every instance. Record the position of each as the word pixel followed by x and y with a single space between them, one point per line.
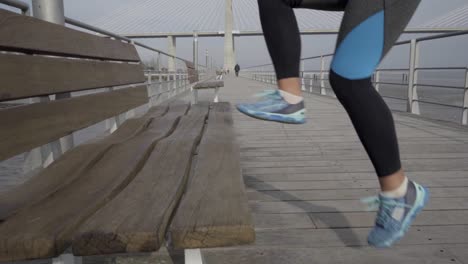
pixel 377 80
pixel 49 10
pixel 172 51
pixel 303 76
pixel 465 101
pixel 322 76
pixel 195 50
pixel 413 103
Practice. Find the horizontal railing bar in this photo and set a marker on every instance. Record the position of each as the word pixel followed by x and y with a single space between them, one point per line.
pixel 441 68
pixel 391 83
pixel 24 7
pixel 439 36
pixel 439 86
pixel 440 104
pixel 80 24
pixel 394 97
pixel 396 69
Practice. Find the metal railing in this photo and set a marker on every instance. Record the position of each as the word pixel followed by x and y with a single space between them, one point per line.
pixel 317 80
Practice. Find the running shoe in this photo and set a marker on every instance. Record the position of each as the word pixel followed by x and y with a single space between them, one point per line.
pixel 394 216
pixel 272 107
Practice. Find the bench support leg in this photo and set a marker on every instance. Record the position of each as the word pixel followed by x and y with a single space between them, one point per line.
pixel 192 256
pixel 216 99
pixel 195 96
pixel 67 259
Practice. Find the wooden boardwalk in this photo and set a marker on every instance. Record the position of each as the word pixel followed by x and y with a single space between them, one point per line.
pixel 304 184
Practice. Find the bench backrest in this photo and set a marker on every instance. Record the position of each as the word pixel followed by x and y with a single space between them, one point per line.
pixel 38 58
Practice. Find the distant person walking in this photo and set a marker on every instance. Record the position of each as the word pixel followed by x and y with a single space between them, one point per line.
pixel 368 31
pixel 237 69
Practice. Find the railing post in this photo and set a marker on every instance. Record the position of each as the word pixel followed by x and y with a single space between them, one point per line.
pixel 311 82
pixel 413 99
pixel 302 76
pixel 195 50
pixel 323 91
pixel 465 101
pixel 377 80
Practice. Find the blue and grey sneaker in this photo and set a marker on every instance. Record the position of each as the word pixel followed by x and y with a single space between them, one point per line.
pixel 272 107
pixel 394 216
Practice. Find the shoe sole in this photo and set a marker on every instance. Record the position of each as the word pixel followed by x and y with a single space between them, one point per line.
pixel 422 198
pixel 280 118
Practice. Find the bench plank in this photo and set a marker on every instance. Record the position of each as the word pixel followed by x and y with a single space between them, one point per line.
pixel 137 219
pixel 51 120
pixel 28 76
pixel 45 229
pixel 208 85
pixel 69 166
pixel 214 210
pixel 28 34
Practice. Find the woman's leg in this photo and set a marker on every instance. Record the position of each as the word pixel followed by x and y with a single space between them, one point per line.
pixel 283 39
pixel 284 44
pixel 368 31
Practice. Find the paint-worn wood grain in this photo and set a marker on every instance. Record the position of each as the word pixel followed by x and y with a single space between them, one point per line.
pixel 47 227
pixel 30 126
pixel 70 165
pixel 27 76
pixel 28 34
pixel 214 211
pixel 137 219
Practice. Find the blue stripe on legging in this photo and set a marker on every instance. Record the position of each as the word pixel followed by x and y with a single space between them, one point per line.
pixel 359 54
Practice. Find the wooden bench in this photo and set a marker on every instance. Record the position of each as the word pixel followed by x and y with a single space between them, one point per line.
pixel 206 84
pixel 171 176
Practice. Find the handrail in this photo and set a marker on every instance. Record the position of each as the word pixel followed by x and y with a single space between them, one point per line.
pixel 420 39
pixel 24 7
pixel 80 24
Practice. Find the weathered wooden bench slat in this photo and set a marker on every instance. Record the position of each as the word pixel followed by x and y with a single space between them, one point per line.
pixel 28 34
pixel 209 85
pixel 214 212
pixel 45 229
pixel 28 76
pixel 55 119
pixel 137 219
pixel 69 166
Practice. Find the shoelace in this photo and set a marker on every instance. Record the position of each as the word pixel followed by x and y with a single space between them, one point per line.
pixel 374 202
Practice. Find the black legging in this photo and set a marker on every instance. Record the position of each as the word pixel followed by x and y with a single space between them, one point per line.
pixel 368 32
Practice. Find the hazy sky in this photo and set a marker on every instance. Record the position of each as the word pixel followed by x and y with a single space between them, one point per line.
pixel 252 50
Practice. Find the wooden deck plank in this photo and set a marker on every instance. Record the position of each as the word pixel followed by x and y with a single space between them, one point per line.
pixel 277 159
pixel 137 219
pixel 343 237
pixel 343 194
pixel 414 254
pixel 367 219
pixel 45 229
pixel 348 184
pixel 288 207
pixel 297 177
